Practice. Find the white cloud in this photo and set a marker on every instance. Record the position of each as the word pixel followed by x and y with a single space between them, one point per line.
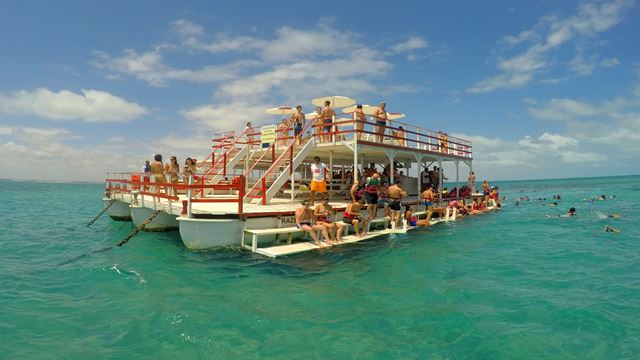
pixel 185 28
pixel 288 44
pixel 150 67
pixel 90 106
pixel 547 35
pixel 609 62
pixel 226 116
pixel 530 157
pixel 300 80
pixel 413 43
pixel 563 109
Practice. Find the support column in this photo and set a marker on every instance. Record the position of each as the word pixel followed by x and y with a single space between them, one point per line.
pixel 418 158
pixel 458 175
pixel 330 182
pixel 440 180
pixel 355 161
pixel 391 155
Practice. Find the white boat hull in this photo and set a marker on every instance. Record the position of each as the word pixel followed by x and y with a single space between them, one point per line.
pixel 201 234
pixel 119 211
pixel 162 222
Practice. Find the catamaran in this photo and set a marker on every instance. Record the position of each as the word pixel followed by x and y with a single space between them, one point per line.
pixel 246 190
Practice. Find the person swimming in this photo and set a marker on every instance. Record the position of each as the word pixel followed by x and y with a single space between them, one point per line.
pixel 614 216
pixel 571 212
pixel 608 228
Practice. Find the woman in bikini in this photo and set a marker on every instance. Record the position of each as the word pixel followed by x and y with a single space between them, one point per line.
pixel 173 169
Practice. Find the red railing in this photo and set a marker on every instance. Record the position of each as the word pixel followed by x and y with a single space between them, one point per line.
pixel 409 136
pixel 272 148
pixel 164 190
pixel 277 163
pixel 224 157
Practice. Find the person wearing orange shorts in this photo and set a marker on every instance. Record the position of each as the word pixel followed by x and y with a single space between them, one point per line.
pixel 318 181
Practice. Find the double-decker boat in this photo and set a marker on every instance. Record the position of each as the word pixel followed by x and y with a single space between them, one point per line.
pixel 246 191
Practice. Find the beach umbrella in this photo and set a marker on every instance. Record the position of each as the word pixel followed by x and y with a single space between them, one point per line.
pixel 282 110
pixel 336 101
pixel 395 115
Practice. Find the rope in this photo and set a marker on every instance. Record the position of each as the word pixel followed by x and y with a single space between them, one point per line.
pixel 140 227
pixel 100 213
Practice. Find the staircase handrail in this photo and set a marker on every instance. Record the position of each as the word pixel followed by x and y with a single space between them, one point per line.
pixel 222 158
pixel 273 144
pixel 277 161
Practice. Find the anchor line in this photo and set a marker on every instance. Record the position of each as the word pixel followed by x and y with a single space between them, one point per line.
pixel 100 213
pixel 140 227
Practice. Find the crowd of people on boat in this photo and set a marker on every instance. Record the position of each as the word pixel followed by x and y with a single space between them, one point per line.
pixel 169 173
pixel 375 191
pixel 325 127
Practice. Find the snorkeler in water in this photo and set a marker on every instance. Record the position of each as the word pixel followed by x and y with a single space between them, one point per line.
pixel 571 212
pixel 608 228
pixel 614 216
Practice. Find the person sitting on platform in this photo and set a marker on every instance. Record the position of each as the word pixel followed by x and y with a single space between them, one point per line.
pixel 396 193
pixel 324 216
pixel 305 222
pixel 352 216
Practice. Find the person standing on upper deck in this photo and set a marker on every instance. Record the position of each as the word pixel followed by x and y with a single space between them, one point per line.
pixel 283 133
pixel 327 116
pixel 299 120
pixel 319 172
pixel 249 133
pixel 381 120
pixel 318 124
pixel 360 119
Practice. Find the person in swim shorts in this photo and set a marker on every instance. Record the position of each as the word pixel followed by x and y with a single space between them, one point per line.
pixel 396 193
pixel 319 172
pixel 327 115
pixel 427 196
pixel 371 191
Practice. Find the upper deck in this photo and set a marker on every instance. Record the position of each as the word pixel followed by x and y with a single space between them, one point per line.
pixel 273 161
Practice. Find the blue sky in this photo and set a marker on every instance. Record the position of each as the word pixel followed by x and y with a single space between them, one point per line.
pixel 542 88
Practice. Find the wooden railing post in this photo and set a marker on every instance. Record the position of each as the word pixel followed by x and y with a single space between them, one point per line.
pixel 264 191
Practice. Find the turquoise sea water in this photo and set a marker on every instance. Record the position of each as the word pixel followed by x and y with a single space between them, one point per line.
pixel 511 284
